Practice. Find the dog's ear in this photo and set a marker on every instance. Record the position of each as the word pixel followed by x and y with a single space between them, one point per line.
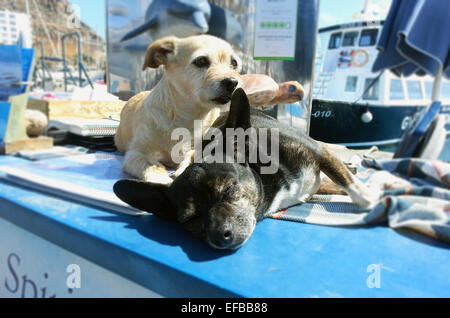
pixel 158 53
pixel 146 196
pixel 239 115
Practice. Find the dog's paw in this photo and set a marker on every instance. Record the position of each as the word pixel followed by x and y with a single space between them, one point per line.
pixel 362 195
pixel 188 159
pixel 178 172
pixel 160 177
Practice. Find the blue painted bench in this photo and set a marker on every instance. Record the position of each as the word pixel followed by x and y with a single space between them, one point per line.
pixel 56 247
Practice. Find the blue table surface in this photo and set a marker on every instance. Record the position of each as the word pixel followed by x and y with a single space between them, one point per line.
pixel 281 259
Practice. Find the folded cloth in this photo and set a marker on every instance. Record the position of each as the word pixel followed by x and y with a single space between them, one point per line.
pixel 416 195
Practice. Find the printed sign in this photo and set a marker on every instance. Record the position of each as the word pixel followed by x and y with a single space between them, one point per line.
pixel 275 29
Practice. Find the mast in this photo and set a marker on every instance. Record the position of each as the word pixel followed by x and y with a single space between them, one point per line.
pixel 365 9
pixel 27 8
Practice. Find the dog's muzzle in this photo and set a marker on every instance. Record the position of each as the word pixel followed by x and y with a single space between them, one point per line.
pixel 222 237
pixel 228 85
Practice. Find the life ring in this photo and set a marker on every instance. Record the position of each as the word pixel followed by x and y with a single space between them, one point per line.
pixel 364 61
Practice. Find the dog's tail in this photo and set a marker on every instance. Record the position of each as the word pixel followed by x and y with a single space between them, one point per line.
pixel 336 170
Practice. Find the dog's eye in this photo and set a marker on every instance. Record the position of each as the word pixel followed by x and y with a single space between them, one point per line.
pixel 201 61
pixel 229 190
pixel 234 63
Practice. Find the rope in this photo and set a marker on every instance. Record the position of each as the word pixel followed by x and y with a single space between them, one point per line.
pixel 54 52
pixel 369 86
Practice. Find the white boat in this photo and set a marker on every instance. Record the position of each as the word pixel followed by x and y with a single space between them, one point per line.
pixel 355 107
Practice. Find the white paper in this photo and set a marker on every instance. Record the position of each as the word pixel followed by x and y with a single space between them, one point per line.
pixel 88 195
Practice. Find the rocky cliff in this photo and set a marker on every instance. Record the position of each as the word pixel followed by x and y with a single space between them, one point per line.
pixel 51 19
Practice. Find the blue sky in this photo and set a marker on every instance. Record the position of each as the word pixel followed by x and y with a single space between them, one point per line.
pixel 93 13
pixel 331 11
pixel 341 11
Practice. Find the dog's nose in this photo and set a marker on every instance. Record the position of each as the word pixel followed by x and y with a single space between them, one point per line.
pixel 223 237
pixel 229 84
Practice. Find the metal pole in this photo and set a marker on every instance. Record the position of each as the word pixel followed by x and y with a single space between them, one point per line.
pixel 80 59
pixel 80 71
pixel 87 75
pixel 41 44
pixel 89 52
pixel 27 8
pixel 437 85
pixel 64 62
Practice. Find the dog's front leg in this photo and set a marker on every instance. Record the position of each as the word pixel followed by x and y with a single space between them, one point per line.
pixel 145 168
pixel 188 159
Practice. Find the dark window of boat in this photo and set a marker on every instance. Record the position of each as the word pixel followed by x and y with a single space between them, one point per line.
pixel 368 37
pixel 396 90
pixel 372 92
pixel 349 38
pixel 335 40
pixel 414 90
pixel 350 83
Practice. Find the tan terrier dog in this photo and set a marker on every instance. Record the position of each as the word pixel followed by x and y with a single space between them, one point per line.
pixel 200 74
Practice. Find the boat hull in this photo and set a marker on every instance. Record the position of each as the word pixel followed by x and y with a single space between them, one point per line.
pixel 342 123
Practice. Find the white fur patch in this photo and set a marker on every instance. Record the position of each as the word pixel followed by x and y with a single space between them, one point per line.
pixel 160 178
pixel 305 184
pixel 362 195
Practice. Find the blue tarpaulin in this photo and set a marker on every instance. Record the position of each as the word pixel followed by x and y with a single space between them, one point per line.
pixel 15 68
pixel 415 38
pixel 10 71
